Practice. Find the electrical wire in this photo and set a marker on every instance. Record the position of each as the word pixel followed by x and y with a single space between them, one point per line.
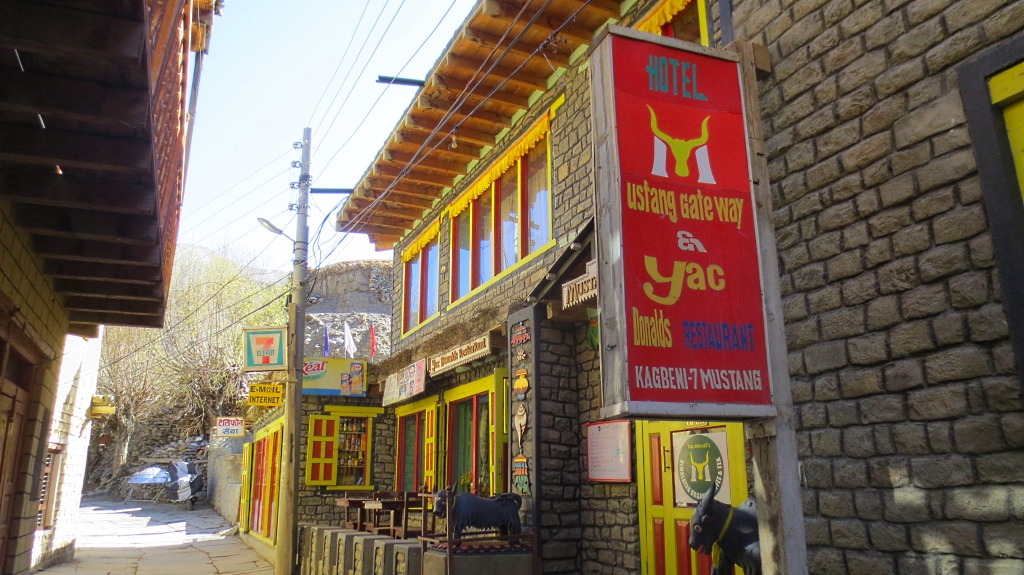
pixel 237 199
pixel 239 182
pixel 347 74
pixel 340 62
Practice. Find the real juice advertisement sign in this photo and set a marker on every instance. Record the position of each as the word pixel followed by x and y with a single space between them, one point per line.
pixel 694 316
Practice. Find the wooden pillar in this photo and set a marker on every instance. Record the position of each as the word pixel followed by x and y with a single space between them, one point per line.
pixel 776 465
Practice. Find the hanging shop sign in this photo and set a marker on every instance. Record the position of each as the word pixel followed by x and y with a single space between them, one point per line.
pixel 265 394
pixel 608 454
pixel 682 315
pixel 579 290
pixel 265 348
pixel 334 376
pixel 230 427
pixel 700 460
pixel 459 355
pixel 409 381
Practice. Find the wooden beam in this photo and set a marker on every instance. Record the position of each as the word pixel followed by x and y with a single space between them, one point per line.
pixel 377 229
pixel 466 151
pixel 608 9
pixel 383 242
pixel 130 307
pixel 377 221
pixel 500 72
pixel 398 198
pixel 504 13
pixel 54 96
pixel 87 225
pixel 520 49
pixel 460 87
pixel 72 270
pixel 471 136
pixel 78 193
pixel 34 145
pixel 424 192
pixel 414 175
pixel 34 27
pixel 86 330
pixel 385 206
pixel 442 106
pixel 426 161
pixel 108 290
pixel 54 248
pixel 108 318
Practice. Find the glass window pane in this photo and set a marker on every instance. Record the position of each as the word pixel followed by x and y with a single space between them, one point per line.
pixel 462 445
pixel 483 447
pixel 408 453
pixel 538 197
pixel 463 256
pixel 412 293
pixel 430 279
pixel 508 216
pixel 483 238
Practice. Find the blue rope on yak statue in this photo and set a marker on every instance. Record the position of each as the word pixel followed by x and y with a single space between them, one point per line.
pixel 728 534
pixel 468 510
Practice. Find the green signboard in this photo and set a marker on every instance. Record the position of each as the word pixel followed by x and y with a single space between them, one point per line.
pixel 265 348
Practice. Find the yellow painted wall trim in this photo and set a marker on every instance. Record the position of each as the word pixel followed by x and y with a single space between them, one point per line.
pixel 470 389
pixel 420 325
pixel 411 408
pixel 350 488
pixel 516 151
pixel 536 253
pixel 661 15
pixel 417 245
pixel 553 110
pixel 1007 85
pixel 353 411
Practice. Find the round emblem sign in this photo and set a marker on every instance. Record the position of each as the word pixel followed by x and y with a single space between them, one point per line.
pixel 699 466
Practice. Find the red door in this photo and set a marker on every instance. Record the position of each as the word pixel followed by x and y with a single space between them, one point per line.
pixel 13 407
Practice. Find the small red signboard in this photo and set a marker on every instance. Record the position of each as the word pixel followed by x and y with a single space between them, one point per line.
pixel 694 323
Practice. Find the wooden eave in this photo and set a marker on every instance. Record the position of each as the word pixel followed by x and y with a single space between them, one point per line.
pixel 92 142
pixel 418 167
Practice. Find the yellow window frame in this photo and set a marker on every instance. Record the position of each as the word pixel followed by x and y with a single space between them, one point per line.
pixel 428 406
pixel 413 251
pixel 370 413
pixel 495 386
pixel 465 205
pixel 330 458
pixel 1007 92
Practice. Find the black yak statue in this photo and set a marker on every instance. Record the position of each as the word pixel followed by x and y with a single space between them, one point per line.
pixel 728 534
pixel 468 510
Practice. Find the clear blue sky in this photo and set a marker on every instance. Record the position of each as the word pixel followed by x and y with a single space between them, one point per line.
pixel 269 64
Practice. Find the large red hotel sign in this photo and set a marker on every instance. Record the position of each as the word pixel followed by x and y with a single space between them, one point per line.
pixel 682 313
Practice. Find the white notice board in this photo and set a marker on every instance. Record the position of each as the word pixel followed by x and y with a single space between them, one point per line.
pixel 608 454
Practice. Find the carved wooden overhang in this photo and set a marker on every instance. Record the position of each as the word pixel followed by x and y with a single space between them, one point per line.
pixel 92 144
pixel 559 29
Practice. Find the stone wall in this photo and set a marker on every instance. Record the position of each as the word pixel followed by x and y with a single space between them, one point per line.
pixel 911 430
pixel 316 503
pixel 70 432
pixel 30 306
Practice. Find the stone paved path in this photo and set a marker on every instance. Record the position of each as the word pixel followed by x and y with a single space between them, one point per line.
pixel 163 539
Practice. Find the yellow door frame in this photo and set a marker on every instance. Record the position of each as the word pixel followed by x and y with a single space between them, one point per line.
pixel 495 386
pixel 668 512
pixel 428 406
pixel 272 461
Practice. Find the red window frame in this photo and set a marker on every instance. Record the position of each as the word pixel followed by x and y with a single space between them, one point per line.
pixel 522 230
pixel 420 259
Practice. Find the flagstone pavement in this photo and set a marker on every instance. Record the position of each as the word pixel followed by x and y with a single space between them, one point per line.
pixel 119 538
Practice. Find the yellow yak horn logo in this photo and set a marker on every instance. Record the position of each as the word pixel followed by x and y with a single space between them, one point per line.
pixel 681 150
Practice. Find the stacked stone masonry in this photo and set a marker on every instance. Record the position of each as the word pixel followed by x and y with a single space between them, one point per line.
pixel 910 416
pixel 38 313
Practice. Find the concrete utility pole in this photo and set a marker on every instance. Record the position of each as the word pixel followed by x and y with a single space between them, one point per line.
pixel 287 525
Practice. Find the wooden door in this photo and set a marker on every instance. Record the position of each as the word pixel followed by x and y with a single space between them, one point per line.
pixel 665 508
pixel 243 503
pixel 13 408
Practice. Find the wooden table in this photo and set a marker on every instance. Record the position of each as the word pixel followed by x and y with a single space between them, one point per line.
pixel 394 508
pixel 356 503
